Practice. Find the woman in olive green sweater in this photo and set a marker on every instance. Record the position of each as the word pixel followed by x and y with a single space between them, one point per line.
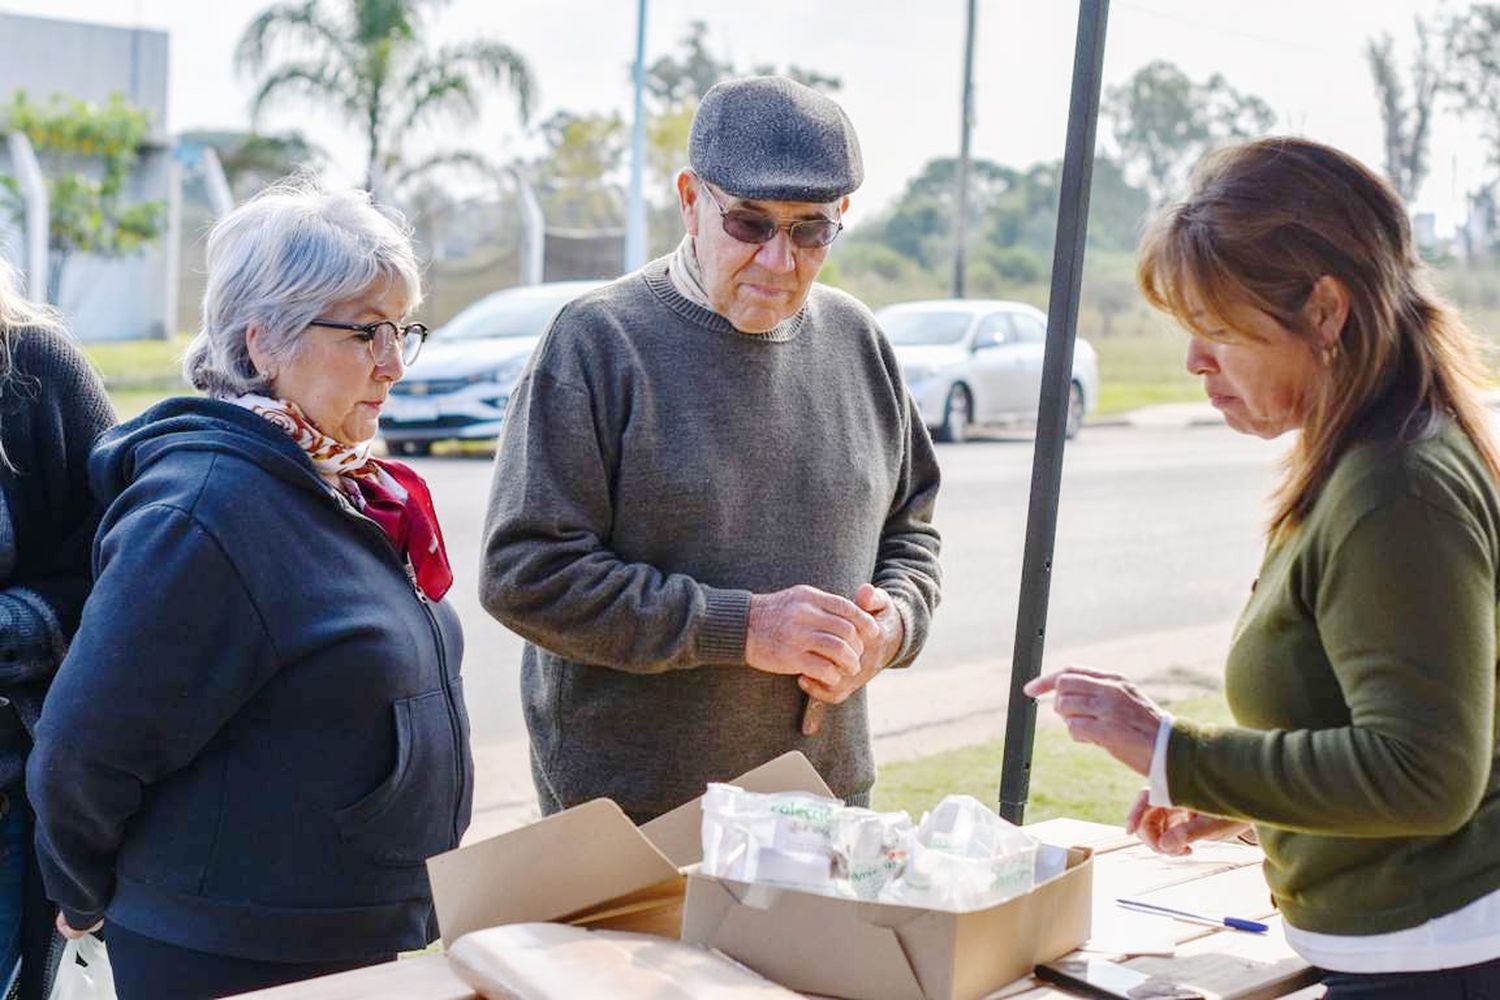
pixel 1362 671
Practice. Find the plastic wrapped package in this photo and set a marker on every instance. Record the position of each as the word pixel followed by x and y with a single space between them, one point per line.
pixel 964 857
pixel 778 839
pixel 871 849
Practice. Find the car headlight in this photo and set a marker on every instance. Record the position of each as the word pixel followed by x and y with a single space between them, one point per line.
pixel 504 377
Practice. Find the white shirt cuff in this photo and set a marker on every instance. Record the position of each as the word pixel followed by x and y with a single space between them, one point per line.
pixel 1160 795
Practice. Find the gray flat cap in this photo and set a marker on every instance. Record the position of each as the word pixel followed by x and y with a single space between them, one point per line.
pixel 772 139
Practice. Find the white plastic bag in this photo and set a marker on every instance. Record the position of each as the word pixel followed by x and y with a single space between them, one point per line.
pixel 782 839
pixel 870 848
pixel 84 972
pixel 964 857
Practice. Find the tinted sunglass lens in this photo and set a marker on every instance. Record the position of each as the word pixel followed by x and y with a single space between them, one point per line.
pixel 749 227
pixel 812 235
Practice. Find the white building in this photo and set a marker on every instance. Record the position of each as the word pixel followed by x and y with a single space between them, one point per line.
pixel 103 299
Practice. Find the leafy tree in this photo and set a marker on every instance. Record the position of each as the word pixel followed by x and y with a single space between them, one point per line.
pixel 1407 126
pixel 1010 210
pixel 87 152
pixel 1163 122
pixel 920 225
pixel 367 59
pixel 807 77
pixel 574 177
pixel 683 78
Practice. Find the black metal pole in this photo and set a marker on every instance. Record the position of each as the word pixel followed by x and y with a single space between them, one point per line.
pixel 966 126
pixel 1052 414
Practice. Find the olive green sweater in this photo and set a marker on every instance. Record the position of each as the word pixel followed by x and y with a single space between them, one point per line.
pixel 1362 676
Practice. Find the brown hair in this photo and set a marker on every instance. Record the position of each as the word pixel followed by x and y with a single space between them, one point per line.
pixel 1263 222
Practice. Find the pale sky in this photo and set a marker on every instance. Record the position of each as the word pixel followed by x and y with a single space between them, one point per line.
pixel 900 62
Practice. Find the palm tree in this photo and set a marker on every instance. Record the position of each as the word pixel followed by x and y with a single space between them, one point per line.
pixel 367 58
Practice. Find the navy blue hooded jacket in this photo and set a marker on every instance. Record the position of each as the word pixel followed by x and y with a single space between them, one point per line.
pixel 258 735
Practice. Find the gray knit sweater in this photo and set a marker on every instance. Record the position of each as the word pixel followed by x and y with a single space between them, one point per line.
pixel 657 467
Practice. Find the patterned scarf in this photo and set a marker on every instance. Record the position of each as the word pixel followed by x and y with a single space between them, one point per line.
pixel 387 492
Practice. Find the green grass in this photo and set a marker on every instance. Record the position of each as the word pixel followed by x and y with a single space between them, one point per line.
pixel 1067 778
pixel 1141 369
pixel 138 373
pixel 139 363
pixel 1122 397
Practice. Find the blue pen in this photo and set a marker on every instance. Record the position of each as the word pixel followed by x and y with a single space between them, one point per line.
pixel 1238 923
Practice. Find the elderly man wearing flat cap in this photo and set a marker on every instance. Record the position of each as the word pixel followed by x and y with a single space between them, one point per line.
pixel 711 516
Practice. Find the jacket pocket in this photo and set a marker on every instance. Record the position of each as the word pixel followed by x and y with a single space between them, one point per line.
pixel 409 817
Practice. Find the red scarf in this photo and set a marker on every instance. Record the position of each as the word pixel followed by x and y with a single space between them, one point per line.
pixel 411 524
pixel 388 492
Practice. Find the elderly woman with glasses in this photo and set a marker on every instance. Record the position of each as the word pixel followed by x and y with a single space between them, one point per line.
pixel 258 736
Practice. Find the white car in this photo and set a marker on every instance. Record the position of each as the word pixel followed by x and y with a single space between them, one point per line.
pixel 979 361
pixel 460 383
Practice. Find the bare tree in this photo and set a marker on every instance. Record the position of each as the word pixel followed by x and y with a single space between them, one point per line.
pixel 1407 125
pixel 1474 51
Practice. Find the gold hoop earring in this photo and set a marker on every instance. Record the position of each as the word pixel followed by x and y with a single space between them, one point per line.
pixel 1330 355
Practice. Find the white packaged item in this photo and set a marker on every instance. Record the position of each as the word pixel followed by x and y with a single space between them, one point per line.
pixel 778 839
pixel 871 849
pixel 964 857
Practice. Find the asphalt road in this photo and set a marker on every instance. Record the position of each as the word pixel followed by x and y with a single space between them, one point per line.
pixel 1159 529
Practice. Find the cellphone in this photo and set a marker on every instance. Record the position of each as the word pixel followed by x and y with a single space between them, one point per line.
pixel 1095 977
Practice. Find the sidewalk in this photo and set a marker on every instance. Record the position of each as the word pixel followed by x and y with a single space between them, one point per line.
pixel 914 712
pixel 1198 414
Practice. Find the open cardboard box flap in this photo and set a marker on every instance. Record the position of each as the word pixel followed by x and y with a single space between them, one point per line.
pixel 589 862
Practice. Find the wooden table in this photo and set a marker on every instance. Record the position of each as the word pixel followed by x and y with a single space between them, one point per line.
pixel 1220 878
pixel 1224 964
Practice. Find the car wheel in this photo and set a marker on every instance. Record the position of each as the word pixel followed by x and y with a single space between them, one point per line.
pixel 957 411
pixel 415 447
pixel 1075 410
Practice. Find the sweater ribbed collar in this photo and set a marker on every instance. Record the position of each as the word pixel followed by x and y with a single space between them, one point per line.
pixel 683 293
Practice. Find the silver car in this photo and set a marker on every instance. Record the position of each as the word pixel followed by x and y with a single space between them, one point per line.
pixel 459 385
pixel 969 362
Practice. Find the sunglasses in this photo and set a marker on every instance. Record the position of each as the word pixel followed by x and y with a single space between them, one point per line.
pixel 384 338
pixel 751 226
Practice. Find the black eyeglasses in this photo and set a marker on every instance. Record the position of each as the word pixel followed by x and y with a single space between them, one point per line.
pixel 384 338
pixel 751 226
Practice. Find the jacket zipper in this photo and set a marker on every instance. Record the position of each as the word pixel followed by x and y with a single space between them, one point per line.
pixel 370 526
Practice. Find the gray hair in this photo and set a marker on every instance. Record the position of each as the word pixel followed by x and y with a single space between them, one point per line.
pixel 280 260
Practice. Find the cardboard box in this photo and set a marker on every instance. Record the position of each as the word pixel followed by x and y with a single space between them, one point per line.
pixel 590 865
pixel 878 951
